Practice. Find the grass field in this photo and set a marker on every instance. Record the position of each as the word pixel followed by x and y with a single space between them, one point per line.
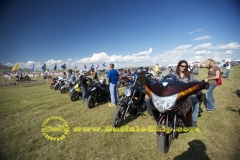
pixel 24 109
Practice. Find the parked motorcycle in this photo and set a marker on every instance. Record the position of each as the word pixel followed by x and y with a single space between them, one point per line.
pixel 131 101
pixel 98 92
pixel 171 107
pixel 65 88
pixel 76 91
pixel 54 81
pixel 60 82
pixel 123 80
pixel 23 78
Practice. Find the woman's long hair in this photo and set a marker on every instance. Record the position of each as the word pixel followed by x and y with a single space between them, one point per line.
pixel 186 72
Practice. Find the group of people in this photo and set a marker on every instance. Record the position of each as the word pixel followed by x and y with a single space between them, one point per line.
pixel 182 73
pixel 213 74
pixel 82 79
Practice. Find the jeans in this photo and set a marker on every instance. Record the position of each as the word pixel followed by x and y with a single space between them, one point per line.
pixel 210 99
pixel 114 93
pixel 84 92
pixel 227 73
pixel 147 102
pixel 195 108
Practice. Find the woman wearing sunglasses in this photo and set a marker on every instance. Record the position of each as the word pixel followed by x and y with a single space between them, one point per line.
pixel 213 74
pixel 184 75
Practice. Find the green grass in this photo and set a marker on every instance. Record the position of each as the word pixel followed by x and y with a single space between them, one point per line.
pixel 23 110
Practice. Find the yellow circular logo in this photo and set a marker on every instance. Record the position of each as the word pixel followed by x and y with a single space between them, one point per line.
pixel 55 128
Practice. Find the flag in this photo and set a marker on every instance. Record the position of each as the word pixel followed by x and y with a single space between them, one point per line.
pixel 92 66
pixel 104 65
pixel 15 67
pixel 44 66
pixel 85 66
pixel 63 66
pixel 32 67
pixel 0 65
pixel 55 67
pixel 75 66
pixel 97 66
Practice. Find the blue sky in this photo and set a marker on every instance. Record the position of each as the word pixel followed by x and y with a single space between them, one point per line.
pixel 126 32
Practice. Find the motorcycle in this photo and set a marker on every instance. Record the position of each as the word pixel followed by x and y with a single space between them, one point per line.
pixel 23 78
pixel 60 82
pixel 98 92
pixel 123 80
pixel 76 91
pixel 131 101
pixel 68 85
pixel 54 81
pixel 171 107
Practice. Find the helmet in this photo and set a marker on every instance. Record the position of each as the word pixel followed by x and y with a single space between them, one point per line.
pixel 139 71
pixel 102 80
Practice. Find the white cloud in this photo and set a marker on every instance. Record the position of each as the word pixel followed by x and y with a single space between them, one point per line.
pixel 202 46
pixel 69 59
pixel 53 62
pixel 229 52
pixel 203 52
pixel 202 38
pixel 182 47
pixel 103 57
pixel 192 32
pixel 233 45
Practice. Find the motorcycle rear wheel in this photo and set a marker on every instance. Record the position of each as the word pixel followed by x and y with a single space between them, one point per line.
pixel 163 143
pixel 74 96
pixel 91 102
pixel 118 116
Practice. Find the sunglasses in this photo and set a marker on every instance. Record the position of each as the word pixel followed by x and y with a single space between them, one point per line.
pixel 183 66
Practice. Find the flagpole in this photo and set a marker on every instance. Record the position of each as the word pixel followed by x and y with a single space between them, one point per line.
pixel 19 77
pixel 34 75
pixel 2 76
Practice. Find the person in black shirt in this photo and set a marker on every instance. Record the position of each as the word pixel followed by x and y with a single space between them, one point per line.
pixel 84 87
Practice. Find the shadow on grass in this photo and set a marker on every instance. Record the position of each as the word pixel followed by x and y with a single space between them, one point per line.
pixel 237 93
pixel 233 110
pixel 196 150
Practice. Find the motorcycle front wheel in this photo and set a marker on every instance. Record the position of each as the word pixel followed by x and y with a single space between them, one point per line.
pixel 118 116
pixel 64 90
pixel 91 102
pixel 74 96
pixel 163 143
pixel 51 86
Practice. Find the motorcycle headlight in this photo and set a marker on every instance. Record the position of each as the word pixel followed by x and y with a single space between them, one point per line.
pixel 127 92
pixel 94 88
pixel 164 103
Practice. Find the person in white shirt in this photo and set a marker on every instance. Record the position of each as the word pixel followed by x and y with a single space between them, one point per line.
pixel 228 67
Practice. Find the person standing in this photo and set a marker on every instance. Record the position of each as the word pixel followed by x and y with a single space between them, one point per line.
pixel 185 76
pixel 94 74
pixel 113 88
pixel 156 70
pixel 228 67
pixel 152 72
pixel 213 75
pixel 84 87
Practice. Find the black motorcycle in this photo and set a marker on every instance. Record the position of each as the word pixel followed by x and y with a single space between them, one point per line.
pixel 23 78
pixel 98 92
pixel 131 101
